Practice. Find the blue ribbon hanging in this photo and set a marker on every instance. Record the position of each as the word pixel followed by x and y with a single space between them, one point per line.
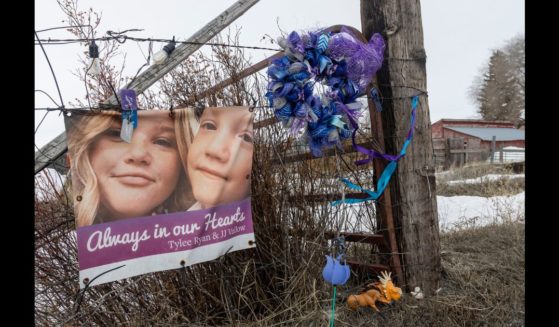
pixel 381 185
pixel 388 170
pixel 371 154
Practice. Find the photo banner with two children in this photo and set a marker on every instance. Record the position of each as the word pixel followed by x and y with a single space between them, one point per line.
pixel 173 192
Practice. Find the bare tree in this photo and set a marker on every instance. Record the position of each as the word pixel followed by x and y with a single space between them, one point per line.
pixel 84 25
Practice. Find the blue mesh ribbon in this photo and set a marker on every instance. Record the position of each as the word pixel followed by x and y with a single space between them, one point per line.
pixel 343 64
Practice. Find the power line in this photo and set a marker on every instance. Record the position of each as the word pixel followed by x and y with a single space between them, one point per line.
pixel 64 27
pixel 52 71
pixel 123 38
pixel 48 95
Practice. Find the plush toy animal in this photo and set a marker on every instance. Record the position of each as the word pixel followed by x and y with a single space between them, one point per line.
pixel 386 292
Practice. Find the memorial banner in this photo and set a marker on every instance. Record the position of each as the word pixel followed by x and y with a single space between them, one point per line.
pixel 173 192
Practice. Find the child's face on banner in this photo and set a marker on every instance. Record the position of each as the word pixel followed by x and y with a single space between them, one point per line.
pixel 134 178
pixel 220 157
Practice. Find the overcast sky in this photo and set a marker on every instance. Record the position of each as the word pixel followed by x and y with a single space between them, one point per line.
pixel 458 37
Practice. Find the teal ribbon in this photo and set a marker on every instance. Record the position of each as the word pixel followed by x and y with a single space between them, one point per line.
pixel 333 307
pixel 404 147
pixel 381 185
pixel 388 171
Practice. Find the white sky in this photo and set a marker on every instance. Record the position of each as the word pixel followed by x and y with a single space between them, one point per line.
pixel 458 37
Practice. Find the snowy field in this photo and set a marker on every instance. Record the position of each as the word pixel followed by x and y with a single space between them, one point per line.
pixel 457 212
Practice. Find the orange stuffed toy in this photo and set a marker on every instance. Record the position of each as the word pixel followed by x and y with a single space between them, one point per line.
pixel 386 293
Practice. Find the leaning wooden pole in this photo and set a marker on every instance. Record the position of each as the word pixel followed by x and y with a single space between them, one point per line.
pixel 412 187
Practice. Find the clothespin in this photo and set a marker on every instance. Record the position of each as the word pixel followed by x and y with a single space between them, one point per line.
pixel 129 113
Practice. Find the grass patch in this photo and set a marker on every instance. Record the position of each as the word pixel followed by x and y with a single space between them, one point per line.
pixel 484 189
pixel 447 181
pixel 482 285
pixel 280 282
pixel 479 169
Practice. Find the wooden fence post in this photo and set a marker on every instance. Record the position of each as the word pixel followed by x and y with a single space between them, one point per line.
pixel 447 161
pixel 492 154
pixel 412 187
pixel 501 153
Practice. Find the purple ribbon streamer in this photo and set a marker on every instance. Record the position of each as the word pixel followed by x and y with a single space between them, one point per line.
pixel 374 154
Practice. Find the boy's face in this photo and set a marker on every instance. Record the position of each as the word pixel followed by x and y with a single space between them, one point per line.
pixel 220 156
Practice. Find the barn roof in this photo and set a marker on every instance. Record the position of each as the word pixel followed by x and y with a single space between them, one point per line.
pixel 486 134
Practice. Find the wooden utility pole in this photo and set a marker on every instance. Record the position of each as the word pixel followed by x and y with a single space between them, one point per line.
pixel 57 147
pixel 412 187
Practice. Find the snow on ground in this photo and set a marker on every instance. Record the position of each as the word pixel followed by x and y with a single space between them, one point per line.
pixel 485 178
pixel 456 212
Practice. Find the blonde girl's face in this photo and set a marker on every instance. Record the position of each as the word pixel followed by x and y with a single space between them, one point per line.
pixel 135 178
pixel 220 156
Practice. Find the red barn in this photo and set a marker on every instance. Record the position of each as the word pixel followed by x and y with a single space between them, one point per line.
pixel 479 133
pixel 460 141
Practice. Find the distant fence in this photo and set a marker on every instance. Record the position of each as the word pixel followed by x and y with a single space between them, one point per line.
pixel 503 155
pixel 452 152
